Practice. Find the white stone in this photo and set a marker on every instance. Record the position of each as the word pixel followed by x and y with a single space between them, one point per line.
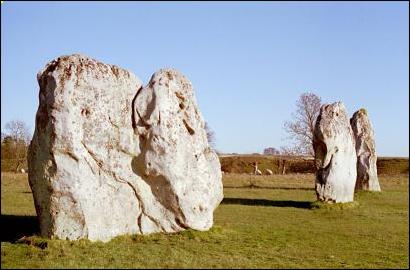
pixel 97 172
pixel 335 155
pixel 176 160
pixel 366 152
pixel 268 172
pixel 23 171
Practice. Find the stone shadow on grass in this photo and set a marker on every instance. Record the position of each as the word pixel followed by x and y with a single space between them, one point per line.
pixel 14 227
pixel 276 188
pixel 264 202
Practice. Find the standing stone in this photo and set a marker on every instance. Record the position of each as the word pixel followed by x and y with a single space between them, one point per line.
pixel 335 155
pixel 366 152
pixel 101 164
pixel 176 161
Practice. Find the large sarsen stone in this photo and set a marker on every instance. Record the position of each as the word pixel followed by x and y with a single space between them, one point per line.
pixel 366 152
pixel 335 155
pixel 104 160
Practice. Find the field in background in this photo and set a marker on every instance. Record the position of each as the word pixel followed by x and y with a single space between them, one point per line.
pixel 263 222
pixel 243 164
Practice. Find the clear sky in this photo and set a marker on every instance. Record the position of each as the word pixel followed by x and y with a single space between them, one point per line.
pixel 248 61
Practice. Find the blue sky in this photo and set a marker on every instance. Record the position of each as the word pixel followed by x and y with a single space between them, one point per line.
pixel 248 61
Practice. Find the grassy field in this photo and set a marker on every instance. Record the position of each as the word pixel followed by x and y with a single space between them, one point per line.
pixel 263 222
pixel 292 164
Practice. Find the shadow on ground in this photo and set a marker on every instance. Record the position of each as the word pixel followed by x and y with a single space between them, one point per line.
pixel 284 188
pixel 15 227
pixel 264 202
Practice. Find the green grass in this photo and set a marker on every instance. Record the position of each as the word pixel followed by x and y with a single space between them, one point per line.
pixel 274 224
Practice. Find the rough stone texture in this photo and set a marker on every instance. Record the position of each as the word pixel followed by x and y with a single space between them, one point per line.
pixel 176 161
pixel 109 157
pixel 335 155
pixel 366 152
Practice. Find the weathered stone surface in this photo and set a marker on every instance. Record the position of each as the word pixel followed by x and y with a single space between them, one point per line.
pixel 106 161
pixel 176 161
pixel 366 152
pixel 335 155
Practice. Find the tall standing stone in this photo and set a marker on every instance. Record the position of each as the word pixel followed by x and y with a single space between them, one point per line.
pixel 335 155
pixel 176 160
pixel 109 157
pixel 366 152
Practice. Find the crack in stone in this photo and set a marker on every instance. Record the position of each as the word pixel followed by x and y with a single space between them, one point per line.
pixel 97 161
pixel 177 211
pixel 69 153
pixel 142 206
pixel 112 123
pixel 190 130
pixel 120 180
pixel 91 167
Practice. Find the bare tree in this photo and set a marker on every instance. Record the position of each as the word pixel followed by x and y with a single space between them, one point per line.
pixel 302 125
pixel 19 134
pixel 210 135
pixel 18 130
